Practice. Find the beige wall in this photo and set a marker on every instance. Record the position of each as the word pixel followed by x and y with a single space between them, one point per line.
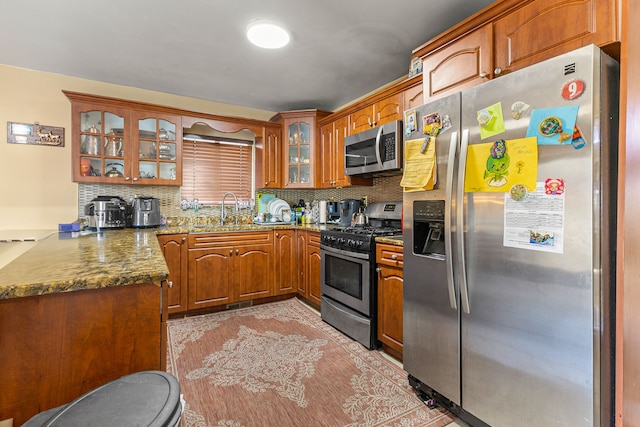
pixel 36 191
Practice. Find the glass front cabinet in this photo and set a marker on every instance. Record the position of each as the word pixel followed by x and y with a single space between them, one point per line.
pixel 157 142
pixel 101 144
pixel 300 153
pixel 118 145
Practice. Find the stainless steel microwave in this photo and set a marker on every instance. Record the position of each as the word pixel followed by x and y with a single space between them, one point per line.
pixel 376 151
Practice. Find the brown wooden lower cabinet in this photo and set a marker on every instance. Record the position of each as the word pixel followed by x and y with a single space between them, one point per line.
pixel 175 251
pixel 314 265
pixel 215 269
pixel 59 346
pixel 308 246
pixel 389 259
pixel 225 268
pixel 286 262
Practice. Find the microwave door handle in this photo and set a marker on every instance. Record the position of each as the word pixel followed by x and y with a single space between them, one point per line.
pixel 378 138
pixel 464 291
pixel 453 151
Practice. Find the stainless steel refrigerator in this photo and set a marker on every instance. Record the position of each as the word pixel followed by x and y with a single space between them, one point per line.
pixel 509 293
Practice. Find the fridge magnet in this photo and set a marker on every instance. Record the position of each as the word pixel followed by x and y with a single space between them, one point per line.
pixel 491 120
pixel 573 89
pixel 446 123
pixel 577 140
pixel 518 192
pixel 519 109
pixel 431 125
pixel 35 134
pixel 554 186
pixel 410 120
pixel 498 166
pixel 550 124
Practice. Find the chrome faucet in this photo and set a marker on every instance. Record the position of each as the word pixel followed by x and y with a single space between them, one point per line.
pixel 222 214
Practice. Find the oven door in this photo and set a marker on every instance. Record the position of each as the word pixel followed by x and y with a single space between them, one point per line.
pixel 346 277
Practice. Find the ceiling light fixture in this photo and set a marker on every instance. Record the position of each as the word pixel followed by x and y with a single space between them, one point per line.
pixel 267 34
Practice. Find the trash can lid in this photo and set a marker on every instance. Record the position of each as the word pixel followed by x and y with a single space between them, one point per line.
pixel 148 398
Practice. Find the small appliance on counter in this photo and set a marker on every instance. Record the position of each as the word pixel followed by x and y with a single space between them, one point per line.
pixel 346 208
pixel 334 214
pixel 145 212
pixel 107 212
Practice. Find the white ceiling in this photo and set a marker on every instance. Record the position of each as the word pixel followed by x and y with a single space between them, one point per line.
pixel 340 49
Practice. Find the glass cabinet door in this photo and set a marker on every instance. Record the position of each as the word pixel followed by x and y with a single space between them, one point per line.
pixel 102 144
pixel 299 169
pixel 158 141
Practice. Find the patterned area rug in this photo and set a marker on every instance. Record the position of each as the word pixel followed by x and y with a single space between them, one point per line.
pixel 279 364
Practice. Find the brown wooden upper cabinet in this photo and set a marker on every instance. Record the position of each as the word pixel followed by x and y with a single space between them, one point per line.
pixel 528 33
pixel 271 159
pixel 331 170
pixel 300 151
pixel 113 143
pixel 380 112
pixel 413 97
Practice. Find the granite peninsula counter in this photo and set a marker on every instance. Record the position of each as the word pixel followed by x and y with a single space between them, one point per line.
pixel 93 261
pixel 76 313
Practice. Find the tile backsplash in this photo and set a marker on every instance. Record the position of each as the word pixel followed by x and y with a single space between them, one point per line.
pixel 383 189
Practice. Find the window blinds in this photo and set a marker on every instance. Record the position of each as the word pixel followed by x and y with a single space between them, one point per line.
pixel 212 168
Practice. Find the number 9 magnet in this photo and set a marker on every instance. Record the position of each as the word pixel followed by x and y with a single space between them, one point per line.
pixel 573 89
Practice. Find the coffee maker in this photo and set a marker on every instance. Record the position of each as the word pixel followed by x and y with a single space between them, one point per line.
pixel 347 208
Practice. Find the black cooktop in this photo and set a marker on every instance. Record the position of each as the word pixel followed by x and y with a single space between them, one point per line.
pixel 368 230
pixel 355 239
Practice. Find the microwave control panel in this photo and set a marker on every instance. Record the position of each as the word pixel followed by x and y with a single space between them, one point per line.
pixel 389 144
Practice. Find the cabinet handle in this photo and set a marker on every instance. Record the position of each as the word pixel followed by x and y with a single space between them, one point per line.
pixel 277 234
pixel 170 283
pixel 484 75
pixel 184 239
pixel 236 252
pixel 378 270
pixel 266 182
pixel 231 252
pixel 497 71
pixel 135 178
pixel 127 179
pixel 394 257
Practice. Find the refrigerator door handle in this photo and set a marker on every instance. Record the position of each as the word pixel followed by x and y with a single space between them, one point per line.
pixel 464 292
pixel 453 150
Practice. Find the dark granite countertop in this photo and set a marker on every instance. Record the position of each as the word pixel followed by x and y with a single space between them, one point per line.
pixel 59 263
pixel 212 228
pixel 397 240
pixel 62 263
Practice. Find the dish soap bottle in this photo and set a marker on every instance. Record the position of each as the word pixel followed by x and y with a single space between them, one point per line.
pixel 299 208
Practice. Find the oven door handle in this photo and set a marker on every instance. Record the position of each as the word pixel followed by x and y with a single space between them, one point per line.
pixel 342 252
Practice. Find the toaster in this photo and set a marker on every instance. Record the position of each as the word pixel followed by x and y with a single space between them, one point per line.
pixel 107 212
pixel 145 212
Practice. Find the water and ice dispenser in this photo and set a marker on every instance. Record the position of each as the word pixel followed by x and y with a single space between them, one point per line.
pixel 428 228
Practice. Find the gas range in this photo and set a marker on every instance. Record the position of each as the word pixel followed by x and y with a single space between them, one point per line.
pixel 355 239
pixel 384 219
pixel 348 280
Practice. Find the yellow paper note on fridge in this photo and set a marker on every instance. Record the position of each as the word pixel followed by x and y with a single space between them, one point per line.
pixel 498 166
pixel 420 165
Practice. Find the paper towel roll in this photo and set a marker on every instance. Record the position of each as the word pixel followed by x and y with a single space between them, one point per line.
pixel 323 212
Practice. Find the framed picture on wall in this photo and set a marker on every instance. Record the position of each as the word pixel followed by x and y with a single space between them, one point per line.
pixel 34 133
pixel 415 67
